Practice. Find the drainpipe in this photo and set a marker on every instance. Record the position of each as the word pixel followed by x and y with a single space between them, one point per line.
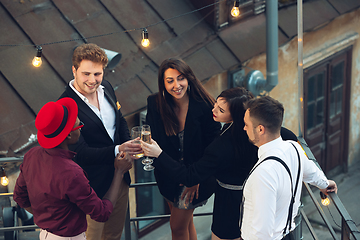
pixel 271 44
pixel 300 67
pixel 255 81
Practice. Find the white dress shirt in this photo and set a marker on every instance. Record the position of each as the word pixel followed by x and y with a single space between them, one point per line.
pixel 267 192
pixel 106 112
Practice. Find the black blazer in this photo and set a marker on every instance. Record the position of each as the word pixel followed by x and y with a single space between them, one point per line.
pixel 200 130
pixel 95 149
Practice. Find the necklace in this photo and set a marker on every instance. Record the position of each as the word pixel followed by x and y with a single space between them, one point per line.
pixel 226 128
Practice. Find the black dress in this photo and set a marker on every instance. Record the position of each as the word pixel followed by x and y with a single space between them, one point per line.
pixel 200 130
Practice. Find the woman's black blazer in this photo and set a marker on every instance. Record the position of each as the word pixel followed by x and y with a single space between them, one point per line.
pixel 200 130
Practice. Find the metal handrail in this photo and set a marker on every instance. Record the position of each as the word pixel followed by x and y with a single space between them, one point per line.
pixel 154 217
pixel 18 228
pixel 321 212
pixel 348 226
pixel 127 221
pixel 11 159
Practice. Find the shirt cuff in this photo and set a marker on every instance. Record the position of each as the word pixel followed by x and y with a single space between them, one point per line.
pixel 323 183
pixel 116 150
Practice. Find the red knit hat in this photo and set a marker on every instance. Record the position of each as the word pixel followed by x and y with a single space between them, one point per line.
pixel 55 121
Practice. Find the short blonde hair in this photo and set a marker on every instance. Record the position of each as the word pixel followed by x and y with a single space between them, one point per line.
pixel 91 52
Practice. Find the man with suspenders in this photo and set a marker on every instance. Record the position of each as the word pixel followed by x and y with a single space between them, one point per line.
pixel 273 188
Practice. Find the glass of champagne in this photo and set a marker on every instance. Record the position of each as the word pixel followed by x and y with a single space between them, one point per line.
pixel 136 133
pixel 146 137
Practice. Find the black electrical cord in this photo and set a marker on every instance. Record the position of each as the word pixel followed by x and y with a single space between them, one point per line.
pixel 107 34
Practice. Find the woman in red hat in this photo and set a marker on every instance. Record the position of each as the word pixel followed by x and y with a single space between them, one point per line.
pixel 52 186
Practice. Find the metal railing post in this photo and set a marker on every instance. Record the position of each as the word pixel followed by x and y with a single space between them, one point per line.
pixel 127 223
pixel 348 226
pixel 345 231
pixel 298 226
pixel 308 224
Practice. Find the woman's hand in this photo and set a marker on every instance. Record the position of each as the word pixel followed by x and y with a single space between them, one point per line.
pixel 189 193
pixel 151 150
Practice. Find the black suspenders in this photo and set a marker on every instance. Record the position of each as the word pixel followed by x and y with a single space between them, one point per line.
pixel 293 193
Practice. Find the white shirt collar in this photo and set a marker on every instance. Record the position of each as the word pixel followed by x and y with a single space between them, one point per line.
pixel 100 91
pixel 265 148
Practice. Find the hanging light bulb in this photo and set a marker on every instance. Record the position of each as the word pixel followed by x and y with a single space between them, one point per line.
pixel 235 11
pixel 3 180
pixel 324 199
pixel 145 41
pixel 36 62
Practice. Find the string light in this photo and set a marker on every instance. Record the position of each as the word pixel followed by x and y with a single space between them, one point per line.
pixel 145 38
pixel 324 199
pixel 235 11
pixel 145 41
pixel 36 62
pixel 3 180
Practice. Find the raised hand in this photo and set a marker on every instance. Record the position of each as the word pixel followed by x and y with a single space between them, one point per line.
pixel 123 162
pixel 131 148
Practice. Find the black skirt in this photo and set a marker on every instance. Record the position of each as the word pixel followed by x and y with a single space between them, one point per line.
pixel 172 190
pixel 226 213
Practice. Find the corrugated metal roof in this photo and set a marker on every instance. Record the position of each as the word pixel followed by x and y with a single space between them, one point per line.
pixel 315 13
pixel 344 6
pixel 248 38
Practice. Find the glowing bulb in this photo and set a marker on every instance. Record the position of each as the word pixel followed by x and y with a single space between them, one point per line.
pixel 4 181
pixel 324 199
pixel 145 41
pixel 36 62
pixel 235 11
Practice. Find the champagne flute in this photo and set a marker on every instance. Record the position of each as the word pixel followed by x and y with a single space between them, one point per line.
pixel 146 137
pixel 136 133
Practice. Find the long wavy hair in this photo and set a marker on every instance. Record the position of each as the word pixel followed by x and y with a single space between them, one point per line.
pixel 166 103
pixel 236 99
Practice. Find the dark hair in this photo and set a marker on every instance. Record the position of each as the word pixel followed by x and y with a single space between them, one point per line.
pixel 165 102
pixel 236 99
pixel 91 52
pixel 267 112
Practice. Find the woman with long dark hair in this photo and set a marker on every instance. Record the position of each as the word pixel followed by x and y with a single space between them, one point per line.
pixel 182 124
pixel 229 158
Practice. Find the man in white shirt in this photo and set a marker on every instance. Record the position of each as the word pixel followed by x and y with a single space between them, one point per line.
pixel 105 133
pixel 268 191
